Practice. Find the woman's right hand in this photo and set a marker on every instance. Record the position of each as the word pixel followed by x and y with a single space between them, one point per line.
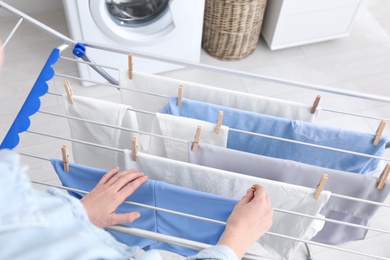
pixel 249 220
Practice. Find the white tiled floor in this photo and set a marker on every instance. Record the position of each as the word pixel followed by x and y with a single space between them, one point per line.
pixel 360 62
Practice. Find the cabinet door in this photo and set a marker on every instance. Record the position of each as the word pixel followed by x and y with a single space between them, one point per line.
pixel 294 7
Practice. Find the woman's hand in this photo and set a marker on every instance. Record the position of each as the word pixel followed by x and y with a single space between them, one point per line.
pixel 250 219
pixel 109 193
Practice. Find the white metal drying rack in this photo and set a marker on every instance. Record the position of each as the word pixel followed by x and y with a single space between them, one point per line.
pixel 191 244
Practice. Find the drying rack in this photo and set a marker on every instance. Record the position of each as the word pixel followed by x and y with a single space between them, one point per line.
pixel 40 88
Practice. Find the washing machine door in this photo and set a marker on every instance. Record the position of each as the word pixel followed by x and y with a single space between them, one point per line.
pixel 132 21
pixel 136 12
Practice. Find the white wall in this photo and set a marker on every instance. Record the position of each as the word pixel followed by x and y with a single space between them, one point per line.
pixel 32 6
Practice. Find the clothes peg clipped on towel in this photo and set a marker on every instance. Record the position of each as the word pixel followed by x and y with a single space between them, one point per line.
pixel 130 65
pixel 134 149
pixel 321 186
pixel 69 91
pixel 219 122
pixel 180 96
pixel 196 139
pixel 379 132
pixel 383 177
pixel 65 157
pixel 315 104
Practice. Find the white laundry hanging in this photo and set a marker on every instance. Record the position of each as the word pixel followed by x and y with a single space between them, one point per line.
pixel 359 186
pixel 183 129
pixel 169 87
pixel 110 113
pixel 232 185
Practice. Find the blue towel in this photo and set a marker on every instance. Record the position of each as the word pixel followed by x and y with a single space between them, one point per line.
pixel 163 195
pixel 289 129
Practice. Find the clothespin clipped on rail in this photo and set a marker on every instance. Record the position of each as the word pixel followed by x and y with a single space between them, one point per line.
pixel 196 139
pixel 65 157
pixel 69 91
pixel 134 149
pixel 219 122
pixel 379 132
pixel 315 104
pixel 130 65
pixel 180 96
pixel 321 186
pixel 383 177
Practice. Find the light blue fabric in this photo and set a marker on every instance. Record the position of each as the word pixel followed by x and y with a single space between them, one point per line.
pixel 47 225
pixel 161 195
pixel 219 252
pixel 289 129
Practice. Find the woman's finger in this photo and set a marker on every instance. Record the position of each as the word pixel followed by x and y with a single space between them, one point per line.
pixel 260 192
pixel 106 177
pixel 125 218
pixel 268 200
pixel 125 178
pixel 114 178
pixel 127 190
pixel 247 197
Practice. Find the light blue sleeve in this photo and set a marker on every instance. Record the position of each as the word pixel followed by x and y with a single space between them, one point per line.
pixel 219 252
pixel 149 255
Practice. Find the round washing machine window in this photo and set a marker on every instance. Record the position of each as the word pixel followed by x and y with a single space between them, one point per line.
pixel 126 21
pixel 136 12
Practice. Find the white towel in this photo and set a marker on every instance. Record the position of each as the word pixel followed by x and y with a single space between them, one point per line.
pixel 283 196
pixel 235 99
pixel 105 112
pixel 183 129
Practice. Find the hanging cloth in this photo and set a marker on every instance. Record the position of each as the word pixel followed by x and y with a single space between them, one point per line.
pixel 169 87
pixel 232 185
pixel 358 186
pixel 289 129
pixel 163 195
pixel 105 112
pixel 183 129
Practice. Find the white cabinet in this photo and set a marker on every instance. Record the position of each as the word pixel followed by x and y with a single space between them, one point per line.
pixel 290 23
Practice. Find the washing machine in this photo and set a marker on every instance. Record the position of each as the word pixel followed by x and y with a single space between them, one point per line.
pixel 169 28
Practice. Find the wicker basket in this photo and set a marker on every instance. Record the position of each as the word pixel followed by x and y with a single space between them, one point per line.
pixel 231 28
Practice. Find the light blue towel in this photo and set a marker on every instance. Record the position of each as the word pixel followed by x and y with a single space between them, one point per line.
pixel 289 129
pixel 161 195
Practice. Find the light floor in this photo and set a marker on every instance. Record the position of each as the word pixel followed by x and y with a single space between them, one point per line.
pixel 360 62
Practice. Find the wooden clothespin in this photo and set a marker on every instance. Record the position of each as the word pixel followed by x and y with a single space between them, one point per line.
pixel 379 132
pixel 69 91
pixel 315 104
pixel 196 139
pixel 383 177
pixel 219 122
pixel 65 157
pixel 134 149
pixel 321 186
pixel 130 65
pixel 180 96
